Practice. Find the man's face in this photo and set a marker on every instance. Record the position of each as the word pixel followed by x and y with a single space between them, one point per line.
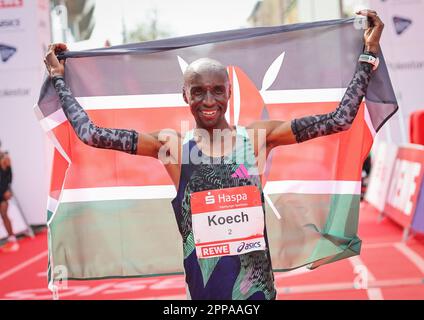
pixel 207 92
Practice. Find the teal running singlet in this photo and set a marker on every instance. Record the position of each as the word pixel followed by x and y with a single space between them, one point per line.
pixel 222 272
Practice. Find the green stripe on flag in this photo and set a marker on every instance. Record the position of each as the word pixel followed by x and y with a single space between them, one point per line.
pixel 314 229
pixel 132 238
pixel 121 238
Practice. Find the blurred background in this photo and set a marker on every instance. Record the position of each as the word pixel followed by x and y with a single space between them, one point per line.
pixel 28 26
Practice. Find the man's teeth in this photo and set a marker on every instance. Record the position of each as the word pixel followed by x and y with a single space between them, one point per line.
pixel 209 113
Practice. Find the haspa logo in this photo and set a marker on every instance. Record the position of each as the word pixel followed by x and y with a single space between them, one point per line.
pixel 210 199
pixel 247 246
pixel 6 52
pixel 223 198
pixel 4 4
pixel 232 197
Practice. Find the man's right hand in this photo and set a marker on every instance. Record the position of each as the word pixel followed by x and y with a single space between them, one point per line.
pixel 53 65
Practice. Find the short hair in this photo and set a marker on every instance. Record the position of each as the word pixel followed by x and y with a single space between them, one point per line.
pixel 204 64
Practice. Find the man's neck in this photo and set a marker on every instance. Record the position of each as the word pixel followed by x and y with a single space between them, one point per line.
pixel 220 126
pixel 216 141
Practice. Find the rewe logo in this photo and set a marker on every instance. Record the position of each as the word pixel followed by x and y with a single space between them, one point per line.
pixel 215 250
pixel 401 24
pixel 6 52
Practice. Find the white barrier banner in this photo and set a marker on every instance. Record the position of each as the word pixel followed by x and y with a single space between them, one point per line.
pixel 24 36
pixel 382 166
pixel 404 53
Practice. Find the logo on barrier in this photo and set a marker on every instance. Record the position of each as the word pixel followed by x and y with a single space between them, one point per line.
pixel 404 188
pixel 6 24
pixel 6 52
pixel 5 4
pixel 14 92
pixel 401 24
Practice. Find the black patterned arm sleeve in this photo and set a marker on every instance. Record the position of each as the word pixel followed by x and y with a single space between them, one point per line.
pixel 89 133
pixel 341 119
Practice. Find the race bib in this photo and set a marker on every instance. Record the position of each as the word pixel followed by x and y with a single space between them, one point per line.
pixel 227 221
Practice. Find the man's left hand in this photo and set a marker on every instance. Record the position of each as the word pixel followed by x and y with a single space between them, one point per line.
pixel 372 34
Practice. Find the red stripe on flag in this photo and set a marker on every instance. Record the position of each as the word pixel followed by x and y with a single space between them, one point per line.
pixel 93 168
pixel 334 157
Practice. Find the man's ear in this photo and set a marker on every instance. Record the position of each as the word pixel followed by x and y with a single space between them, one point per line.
pixel 185 96
pixel 230 90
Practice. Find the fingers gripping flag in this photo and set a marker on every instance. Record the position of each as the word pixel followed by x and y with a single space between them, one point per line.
pixel 110 213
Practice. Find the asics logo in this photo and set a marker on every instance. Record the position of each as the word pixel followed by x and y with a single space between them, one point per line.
pixel 247 246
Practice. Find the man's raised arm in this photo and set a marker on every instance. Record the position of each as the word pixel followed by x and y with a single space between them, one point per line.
pixel 92 135
pixel 309 127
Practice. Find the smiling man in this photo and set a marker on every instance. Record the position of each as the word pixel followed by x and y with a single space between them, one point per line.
pixel 219 205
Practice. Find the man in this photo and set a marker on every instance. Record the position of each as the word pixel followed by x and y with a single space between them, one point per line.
pixel 216 163
pixel 5 195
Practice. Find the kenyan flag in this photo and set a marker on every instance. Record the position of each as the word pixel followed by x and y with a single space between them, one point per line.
pixel 110 213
